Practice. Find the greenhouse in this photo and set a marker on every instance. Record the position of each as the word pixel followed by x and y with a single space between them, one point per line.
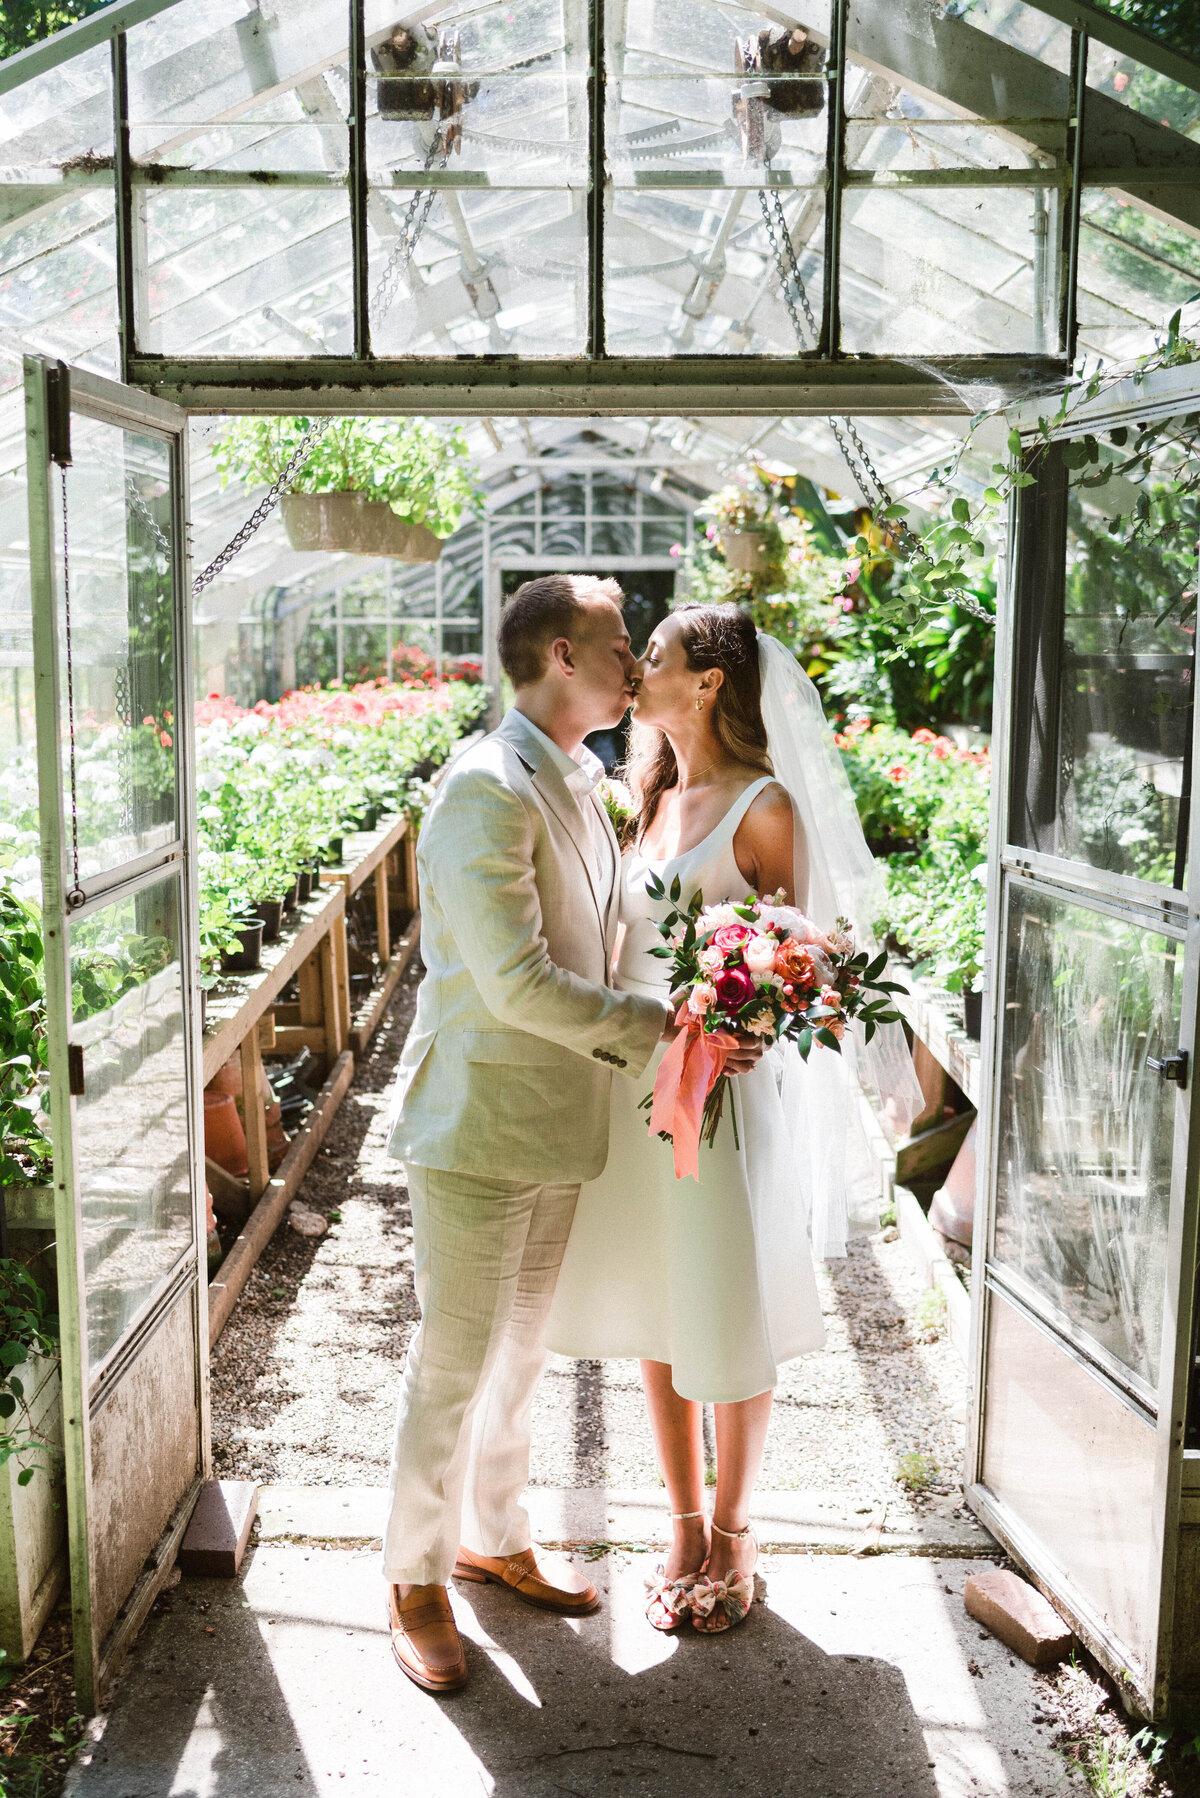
pixel 325 329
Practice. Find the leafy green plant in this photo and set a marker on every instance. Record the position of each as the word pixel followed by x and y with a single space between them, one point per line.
pixel 28 1326
pixel 930 1312
pixel 916 1472
pixel 24 1099
pixel 420 469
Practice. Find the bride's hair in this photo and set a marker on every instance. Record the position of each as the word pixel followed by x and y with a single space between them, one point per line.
pixel 721 637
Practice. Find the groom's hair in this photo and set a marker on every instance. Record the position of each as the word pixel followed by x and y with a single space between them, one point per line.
pixel 541 611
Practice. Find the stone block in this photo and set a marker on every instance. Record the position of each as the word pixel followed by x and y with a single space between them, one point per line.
pixel 1018 1615
pixel 217 1535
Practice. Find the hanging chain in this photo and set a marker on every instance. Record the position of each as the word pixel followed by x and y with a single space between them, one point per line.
pixel 380 304
pixel 410 231
pixel 266 504
pixel 75 896
pixel 147 517
pixel 857 459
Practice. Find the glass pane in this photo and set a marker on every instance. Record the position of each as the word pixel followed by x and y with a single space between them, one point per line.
pixel 662 535
pixel 950 270
pixel 247 271
pixel 1076 1465
pixel 500 258
pixel 122 645
pixel 1084 1164
pixel 1135 270
pixel 131 1134
pixel 609 538
pixel 364 651
pixel 1126 688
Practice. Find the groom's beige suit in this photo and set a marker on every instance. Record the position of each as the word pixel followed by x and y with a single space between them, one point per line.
pixel 501 1111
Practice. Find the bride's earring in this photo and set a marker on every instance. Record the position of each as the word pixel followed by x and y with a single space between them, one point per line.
pixel 699 703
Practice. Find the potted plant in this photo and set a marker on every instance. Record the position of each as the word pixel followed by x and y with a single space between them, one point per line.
pixel 743 526
pixel 369 486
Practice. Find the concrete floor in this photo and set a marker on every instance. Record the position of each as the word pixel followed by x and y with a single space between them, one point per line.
pixel 856 1677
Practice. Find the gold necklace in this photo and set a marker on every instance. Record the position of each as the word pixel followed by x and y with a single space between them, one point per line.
pixel 694 778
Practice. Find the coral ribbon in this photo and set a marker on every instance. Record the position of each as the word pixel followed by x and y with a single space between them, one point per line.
pixel 687 1074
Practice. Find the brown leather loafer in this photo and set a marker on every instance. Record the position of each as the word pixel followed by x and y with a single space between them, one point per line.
pixel 549 1583
pixel 425 1638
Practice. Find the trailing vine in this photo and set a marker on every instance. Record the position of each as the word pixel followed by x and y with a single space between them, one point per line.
pixel 943 559
pixel 24 1097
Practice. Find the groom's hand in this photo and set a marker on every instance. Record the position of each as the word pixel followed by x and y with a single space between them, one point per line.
pixel 746 1053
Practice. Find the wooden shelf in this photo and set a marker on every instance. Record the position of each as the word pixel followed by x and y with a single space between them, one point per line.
pixel 936 1017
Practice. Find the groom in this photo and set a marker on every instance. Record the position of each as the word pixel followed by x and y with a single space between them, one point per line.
pixel 502 1107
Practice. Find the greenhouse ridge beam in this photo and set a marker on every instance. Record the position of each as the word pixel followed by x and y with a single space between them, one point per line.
pixel 1124 38
pixel 748 386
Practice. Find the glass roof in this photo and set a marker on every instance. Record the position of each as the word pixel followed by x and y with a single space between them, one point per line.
pixel 271 197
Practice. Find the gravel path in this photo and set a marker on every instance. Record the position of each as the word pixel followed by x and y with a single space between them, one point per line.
pixel 304 1377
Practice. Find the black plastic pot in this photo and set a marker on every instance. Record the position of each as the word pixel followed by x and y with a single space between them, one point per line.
pixel 271 913
pixel 289 898
pixel 314 875
pixel 249 956
pixel 304 886
pixel 337 849
pixel 973 1015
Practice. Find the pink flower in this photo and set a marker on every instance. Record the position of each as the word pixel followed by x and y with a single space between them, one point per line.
pixel 730 937
pixel 676 549
pixel 831 996
pixel 759 954
pixel 846 603
pixel 734 987
pixel 923 736
pixel 761 1024
pixel 1120 81
pixel 853 570
pixel 701 997
pixel 711 960
pixel 899 773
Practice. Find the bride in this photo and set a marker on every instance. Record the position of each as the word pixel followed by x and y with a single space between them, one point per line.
pixel 738 788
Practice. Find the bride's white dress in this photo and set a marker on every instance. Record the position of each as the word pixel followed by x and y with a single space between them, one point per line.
pixel 715 1278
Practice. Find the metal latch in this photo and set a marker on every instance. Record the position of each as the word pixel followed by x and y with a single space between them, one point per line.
pixel 75 1070
pixel 1170 1067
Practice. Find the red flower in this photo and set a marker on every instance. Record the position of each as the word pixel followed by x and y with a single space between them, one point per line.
pixel 730 937
pixel 899 773
pixel 734 986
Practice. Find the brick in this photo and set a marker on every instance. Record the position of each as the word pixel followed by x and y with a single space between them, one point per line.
pixel 1018 1615
pixel 216 1537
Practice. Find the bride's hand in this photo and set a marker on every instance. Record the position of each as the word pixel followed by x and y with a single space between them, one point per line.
pixel 746 1054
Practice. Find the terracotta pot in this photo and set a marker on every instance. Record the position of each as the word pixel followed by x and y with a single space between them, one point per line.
pixel 228 1079
pixel 249 956
pixel 348 522
pixel 745 550
pixel 304 886
pixel 422 545
pixel 214 1253
pixel 278 1140
pixel 271 913
pixel 224 1138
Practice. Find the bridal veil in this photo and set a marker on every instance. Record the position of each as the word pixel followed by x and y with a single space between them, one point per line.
pixel 836 876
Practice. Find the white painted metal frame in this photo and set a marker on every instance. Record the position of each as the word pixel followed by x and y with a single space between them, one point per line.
pixel 87 1388
pixel 1176 915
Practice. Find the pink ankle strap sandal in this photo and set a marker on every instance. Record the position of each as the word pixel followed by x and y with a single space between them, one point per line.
pixel 726 1600
pixel 670 1600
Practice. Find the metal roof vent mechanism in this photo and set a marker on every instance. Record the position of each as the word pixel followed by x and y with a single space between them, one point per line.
pixel 421 77
pixel 798 92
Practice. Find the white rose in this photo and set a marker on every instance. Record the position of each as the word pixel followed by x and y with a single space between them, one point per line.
pixel 759 954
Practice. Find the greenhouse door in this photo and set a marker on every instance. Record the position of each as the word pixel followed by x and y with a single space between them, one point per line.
pixel 111 611
pixel 1086 1227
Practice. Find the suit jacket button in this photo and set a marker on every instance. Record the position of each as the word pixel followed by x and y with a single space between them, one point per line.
pixel 620 1063
pixel 597 1054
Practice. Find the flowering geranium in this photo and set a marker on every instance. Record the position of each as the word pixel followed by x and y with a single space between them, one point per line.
pixel 758 969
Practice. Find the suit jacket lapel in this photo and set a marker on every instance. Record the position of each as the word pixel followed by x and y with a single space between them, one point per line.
pixel 552 788
pixel 612 909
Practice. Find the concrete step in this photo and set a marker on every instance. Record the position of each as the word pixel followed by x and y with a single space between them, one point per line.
pixel 819 1522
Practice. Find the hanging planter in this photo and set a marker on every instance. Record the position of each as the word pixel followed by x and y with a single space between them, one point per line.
pixel 422 545
pixel 348 523
pixel 745 550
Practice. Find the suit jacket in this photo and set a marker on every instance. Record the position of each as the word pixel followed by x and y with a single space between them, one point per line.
pixel 507 1067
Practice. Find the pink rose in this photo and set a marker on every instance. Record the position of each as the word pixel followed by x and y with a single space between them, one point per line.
pixel 734 988
pixel 759 954
pixel 711 960
pixel 701 997
pixel 730 937
pixel 795 963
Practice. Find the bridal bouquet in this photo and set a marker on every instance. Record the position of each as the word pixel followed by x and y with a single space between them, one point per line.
pixel 758 969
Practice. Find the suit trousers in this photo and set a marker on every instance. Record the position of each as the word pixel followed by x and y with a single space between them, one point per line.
pixel 487 1254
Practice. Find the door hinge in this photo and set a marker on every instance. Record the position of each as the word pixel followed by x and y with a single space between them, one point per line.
pixel 58 413
pixel 75 1070
pixel 1170 1067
